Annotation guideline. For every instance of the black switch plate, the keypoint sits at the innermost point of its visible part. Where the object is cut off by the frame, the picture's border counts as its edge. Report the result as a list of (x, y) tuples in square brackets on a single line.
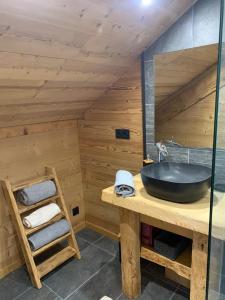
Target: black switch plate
[(123, 134), (75, 211)]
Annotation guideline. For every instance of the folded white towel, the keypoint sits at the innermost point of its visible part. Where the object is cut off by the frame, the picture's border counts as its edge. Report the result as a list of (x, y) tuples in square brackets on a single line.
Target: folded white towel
[(41, 215)]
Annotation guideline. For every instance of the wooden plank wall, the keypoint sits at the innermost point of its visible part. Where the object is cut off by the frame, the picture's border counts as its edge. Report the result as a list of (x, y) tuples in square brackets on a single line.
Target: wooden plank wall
[(24, 152), (188, 116), (101, 153), (56, 58)]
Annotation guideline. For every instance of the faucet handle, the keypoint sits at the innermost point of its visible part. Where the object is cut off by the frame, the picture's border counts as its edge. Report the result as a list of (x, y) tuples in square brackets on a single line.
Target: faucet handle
[(159, 145), (164, 150)]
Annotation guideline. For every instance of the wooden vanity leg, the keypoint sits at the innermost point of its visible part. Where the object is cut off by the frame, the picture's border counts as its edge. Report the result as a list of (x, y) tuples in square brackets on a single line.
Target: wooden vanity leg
[(199, 266), (130, 253)]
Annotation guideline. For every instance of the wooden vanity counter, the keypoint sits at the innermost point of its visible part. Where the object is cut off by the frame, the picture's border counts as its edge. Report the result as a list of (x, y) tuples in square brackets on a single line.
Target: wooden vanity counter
[(189, 220)]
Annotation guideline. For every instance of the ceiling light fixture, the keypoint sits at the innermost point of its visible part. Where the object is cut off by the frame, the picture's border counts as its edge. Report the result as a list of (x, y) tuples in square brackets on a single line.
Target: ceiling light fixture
[(146, 2)]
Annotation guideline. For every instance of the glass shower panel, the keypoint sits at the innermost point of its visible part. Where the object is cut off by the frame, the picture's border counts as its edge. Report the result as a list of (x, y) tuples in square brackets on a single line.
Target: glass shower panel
[(216, 266)]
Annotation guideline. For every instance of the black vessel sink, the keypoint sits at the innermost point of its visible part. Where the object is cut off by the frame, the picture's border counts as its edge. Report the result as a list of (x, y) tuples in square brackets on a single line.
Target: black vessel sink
[(176, 182)]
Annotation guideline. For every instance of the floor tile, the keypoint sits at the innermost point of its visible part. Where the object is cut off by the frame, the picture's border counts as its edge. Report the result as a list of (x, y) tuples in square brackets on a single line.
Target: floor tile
[(213, 295), (180, 294), (158, 272), (82, 244), (43, 294), (105, 283), (68, 278), (89, 235), (153, 289), (14, 284), (153, 268), (109, 245)]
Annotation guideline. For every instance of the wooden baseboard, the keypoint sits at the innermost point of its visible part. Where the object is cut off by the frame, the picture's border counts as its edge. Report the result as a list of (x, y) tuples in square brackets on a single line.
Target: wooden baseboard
[(105, 228), (78, 227), (10, 268)]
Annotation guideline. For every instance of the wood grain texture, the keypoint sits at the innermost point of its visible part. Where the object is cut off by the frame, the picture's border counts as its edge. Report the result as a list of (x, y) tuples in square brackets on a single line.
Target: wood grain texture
[(199, 266), (47, 266), (25, 156), (166, 226), (171, 275), (57, 57), (188, 115), (20, 230), (130, 253), (181, 266), (192, 216), (55, 260), (103, 227), (101, 153)]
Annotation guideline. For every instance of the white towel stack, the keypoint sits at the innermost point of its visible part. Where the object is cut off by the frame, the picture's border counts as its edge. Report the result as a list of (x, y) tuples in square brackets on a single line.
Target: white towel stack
[(41, 215)]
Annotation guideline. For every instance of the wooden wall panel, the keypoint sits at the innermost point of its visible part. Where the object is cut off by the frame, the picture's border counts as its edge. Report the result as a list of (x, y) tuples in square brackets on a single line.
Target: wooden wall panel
[(101, 153), (24, 152)]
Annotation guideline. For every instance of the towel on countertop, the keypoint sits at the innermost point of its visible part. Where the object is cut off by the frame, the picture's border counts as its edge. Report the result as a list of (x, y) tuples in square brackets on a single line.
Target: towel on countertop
[(48, 234), (37, 192), (41, 215), (124, 184)]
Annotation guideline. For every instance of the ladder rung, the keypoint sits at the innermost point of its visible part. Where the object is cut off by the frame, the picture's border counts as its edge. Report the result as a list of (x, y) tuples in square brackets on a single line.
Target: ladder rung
[(42, 249), (25, 184), (55, 219), (55, 260), (25, 208), (19, 210)]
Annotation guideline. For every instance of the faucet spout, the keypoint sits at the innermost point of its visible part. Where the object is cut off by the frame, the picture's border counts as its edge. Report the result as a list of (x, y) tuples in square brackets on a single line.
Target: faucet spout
[(163, 152)]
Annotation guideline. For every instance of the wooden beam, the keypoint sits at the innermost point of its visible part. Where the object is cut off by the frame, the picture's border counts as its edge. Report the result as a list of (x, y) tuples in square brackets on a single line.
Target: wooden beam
[(130, 253), (180, 266), (199, 266)]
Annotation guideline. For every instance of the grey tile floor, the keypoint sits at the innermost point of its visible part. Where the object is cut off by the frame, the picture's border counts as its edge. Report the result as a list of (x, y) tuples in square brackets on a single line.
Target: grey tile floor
[(97, 274)]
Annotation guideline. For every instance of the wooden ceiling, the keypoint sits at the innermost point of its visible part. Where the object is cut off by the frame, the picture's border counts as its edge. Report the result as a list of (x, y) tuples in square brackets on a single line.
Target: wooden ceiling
[(58, 56), (173, 71)]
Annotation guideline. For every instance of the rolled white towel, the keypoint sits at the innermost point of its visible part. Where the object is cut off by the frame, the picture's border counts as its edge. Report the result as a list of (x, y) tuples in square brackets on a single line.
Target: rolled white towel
[(124, 184), (41, 215)]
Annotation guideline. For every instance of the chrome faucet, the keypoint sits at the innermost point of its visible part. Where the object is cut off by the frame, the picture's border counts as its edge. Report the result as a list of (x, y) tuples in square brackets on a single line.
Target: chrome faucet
[(163, 153), (172, 142)]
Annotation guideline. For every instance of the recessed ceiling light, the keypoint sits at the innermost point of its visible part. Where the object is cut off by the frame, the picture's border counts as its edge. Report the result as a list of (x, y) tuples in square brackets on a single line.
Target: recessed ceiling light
[(146, 2)]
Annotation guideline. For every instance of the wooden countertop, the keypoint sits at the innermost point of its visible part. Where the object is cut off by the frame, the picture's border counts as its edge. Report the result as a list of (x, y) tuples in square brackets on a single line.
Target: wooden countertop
[(192, 216)]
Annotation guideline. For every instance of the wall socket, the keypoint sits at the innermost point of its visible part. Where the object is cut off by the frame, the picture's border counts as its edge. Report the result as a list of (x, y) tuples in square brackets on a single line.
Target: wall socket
[(75, 211)]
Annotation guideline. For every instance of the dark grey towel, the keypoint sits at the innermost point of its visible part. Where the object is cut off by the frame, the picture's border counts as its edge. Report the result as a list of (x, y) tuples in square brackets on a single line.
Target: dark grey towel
[(37, 192), (48, 234)]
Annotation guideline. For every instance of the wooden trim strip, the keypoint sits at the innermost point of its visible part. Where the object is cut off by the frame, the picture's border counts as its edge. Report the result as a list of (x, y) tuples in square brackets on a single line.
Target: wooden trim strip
[(177, 266)]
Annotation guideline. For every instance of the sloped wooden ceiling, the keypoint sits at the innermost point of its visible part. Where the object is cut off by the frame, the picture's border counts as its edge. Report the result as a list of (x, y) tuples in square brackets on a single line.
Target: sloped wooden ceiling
[(57, 56)]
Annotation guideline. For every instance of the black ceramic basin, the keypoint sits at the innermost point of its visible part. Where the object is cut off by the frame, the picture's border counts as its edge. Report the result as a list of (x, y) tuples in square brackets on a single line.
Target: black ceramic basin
[(176, 182)]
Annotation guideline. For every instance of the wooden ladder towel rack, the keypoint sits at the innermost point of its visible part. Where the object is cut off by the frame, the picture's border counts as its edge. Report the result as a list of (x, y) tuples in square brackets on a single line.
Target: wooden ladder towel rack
[(37, 271)]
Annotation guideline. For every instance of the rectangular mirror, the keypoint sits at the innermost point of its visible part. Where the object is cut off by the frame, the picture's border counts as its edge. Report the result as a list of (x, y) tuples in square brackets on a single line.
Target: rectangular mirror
[(185, 90)]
